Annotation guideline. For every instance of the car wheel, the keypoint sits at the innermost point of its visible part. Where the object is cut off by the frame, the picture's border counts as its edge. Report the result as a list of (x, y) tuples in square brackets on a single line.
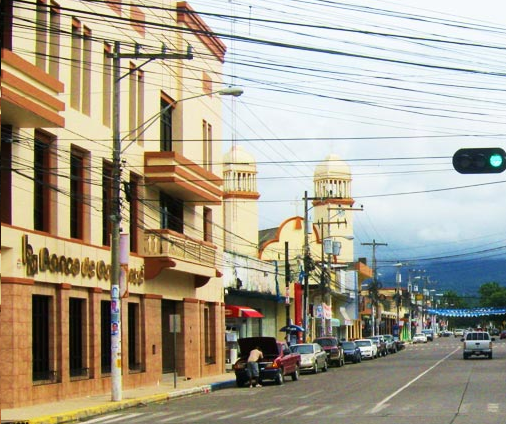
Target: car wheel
[(490, 355), (325, 366), (465, 356), (315, 368), (296, 373), (280, 378)]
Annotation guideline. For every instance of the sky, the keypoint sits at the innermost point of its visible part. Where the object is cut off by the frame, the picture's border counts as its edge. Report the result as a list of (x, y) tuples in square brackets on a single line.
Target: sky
[(394, 89)]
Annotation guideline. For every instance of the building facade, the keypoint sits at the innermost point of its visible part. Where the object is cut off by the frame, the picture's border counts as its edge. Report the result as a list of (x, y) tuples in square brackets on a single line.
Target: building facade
[(58, 111)]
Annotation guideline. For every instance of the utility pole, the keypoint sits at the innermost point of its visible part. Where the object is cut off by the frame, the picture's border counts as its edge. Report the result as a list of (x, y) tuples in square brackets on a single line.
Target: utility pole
[(116, 56), (287, 284), (306, 269), (374, 291)]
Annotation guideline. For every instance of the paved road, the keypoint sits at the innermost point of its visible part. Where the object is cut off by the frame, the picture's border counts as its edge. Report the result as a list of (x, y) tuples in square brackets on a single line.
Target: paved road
[(423, 384)]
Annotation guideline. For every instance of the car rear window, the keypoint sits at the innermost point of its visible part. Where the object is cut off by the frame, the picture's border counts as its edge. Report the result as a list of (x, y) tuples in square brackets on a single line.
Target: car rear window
[(477, 336)]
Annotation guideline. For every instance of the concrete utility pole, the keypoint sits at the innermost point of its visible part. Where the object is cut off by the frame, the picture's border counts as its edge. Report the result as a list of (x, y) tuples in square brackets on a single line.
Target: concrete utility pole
[(287, 284), (116, 56), (374, 282)]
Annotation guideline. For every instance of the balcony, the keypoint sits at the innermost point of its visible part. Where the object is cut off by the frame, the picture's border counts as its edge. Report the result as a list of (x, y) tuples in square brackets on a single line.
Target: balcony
[(166, 249), (181, 178), (29, 95)]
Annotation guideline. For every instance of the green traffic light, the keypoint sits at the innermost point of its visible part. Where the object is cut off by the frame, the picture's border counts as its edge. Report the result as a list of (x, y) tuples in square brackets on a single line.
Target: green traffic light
[(480, 160), (496, 160)]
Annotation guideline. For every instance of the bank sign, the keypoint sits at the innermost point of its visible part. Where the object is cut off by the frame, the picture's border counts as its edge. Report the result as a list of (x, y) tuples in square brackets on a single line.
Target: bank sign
[(46, 261)]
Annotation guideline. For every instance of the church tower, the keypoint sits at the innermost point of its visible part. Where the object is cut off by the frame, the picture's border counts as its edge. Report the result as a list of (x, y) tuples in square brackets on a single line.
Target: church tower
[(331, 215), (240, 198)]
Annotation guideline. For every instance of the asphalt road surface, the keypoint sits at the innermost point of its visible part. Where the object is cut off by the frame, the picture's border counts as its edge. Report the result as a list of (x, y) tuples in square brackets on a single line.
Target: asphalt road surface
[(423, 384)]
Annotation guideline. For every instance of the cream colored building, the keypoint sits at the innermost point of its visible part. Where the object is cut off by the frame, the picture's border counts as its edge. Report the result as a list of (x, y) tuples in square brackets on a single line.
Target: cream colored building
[(57, 130), (332, 311)]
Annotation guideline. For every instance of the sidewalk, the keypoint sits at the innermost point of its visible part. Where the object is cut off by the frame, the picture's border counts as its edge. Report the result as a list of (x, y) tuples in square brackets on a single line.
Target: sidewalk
[(74, 409)]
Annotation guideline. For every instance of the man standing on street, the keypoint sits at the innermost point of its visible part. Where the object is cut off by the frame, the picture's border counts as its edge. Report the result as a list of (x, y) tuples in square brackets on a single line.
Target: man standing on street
[(253, 371)]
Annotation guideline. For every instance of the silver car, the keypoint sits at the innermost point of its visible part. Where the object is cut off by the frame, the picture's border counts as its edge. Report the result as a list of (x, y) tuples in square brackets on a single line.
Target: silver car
[(312, 357)]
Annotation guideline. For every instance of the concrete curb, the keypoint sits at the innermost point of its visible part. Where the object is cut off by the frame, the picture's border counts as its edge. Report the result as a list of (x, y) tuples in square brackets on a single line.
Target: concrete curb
[(108, 407)]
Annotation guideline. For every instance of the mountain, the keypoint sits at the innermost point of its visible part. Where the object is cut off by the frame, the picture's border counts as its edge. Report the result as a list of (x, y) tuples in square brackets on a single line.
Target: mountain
[(463, 277)]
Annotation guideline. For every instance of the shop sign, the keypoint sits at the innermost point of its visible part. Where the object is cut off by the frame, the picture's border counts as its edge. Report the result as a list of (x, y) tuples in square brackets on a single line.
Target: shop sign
[(45, 261)]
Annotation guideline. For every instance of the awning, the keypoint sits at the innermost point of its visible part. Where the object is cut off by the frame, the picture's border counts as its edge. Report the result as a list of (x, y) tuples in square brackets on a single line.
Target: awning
[(335, 322), (234, 311), (346, 318)]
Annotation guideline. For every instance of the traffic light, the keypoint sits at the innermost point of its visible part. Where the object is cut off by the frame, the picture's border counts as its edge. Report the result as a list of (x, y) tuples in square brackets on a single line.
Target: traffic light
[(483, 160)]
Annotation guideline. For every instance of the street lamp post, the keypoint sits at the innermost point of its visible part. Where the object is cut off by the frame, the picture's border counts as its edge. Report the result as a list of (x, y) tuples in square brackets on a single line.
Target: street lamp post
[(116, 256)]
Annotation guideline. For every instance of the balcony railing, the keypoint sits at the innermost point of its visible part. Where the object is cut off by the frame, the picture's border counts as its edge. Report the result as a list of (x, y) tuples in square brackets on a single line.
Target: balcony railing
[(164, 243)]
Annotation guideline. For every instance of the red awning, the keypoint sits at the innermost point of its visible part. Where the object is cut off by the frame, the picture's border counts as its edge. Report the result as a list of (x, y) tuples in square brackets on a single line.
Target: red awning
[(234, 311)]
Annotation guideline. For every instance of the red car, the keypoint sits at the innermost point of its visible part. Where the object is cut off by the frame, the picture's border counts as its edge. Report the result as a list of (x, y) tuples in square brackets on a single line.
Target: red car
[(335, 353), (502, 335), (278, 361)]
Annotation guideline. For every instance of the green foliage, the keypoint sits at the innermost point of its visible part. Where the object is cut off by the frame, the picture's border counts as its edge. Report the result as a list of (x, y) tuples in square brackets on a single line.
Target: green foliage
[(492, 294)]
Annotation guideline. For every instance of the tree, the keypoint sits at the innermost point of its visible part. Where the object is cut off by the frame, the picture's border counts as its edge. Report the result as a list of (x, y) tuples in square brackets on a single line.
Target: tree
[(492, 294)]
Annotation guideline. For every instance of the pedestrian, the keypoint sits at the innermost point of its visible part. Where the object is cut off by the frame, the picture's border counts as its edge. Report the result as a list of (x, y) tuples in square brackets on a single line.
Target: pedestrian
[(253, 371)]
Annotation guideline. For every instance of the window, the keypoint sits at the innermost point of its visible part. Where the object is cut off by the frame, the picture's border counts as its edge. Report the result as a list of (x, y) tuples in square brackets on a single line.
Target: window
[(134, 359), (140, 108), (136, 104), (7, 24), (41, 369), (43, 174), (76, 338), (6, 174), (47, 38), (207, 145), (133, 198), (165, 126), (107, 86), (208, 224), (105, 336), (75, 59), (106, 203), (209, 334), (54, 41), (171, 213), (76, 194), (86, 90)]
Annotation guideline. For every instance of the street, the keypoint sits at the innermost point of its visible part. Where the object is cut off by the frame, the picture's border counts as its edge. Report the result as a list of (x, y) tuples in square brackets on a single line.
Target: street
[(424, 383)]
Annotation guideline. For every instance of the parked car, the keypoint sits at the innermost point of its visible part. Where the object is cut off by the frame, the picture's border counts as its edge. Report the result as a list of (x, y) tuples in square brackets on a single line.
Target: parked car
[(391, 343), (429, 333), (312, 357), (446, 333), (277, 363), (382, 346), (477, 343), (458, 332), (419, 338), (502, 335), (335, 354), (351, 352), (368, 349), (400, 344)]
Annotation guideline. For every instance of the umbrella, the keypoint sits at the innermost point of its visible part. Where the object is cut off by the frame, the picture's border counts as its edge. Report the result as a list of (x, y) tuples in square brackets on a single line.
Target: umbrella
[(291, 327)]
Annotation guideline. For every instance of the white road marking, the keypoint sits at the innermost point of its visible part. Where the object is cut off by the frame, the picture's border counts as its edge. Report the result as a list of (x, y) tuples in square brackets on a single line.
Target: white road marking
[(320, 410), (114, 418), (100, 419), (379, 405), (493, 407), (264, 412), (294, 410), (187, 414)]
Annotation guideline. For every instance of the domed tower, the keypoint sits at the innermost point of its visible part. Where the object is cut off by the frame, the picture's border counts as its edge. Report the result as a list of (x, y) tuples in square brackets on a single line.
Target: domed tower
[(240, 202), (332, 217)]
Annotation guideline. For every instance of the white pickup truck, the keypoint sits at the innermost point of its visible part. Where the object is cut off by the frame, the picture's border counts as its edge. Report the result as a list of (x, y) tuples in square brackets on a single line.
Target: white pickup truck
[(477, 343)]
